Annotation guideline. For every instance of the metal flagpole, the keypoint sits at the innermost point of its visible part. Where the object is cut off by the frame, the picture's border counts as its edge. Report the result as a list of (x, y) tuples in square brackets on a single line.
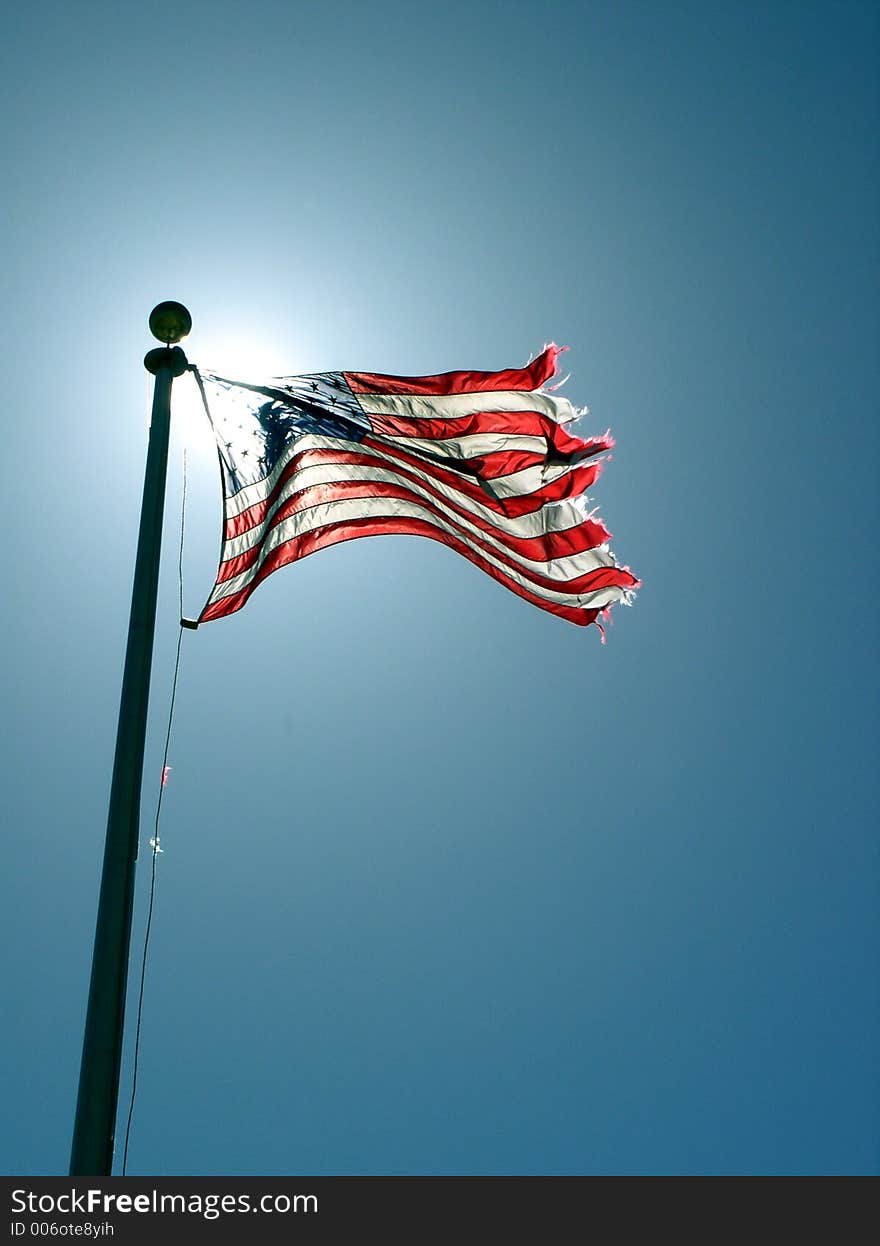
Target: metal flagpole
[(95, 1123)]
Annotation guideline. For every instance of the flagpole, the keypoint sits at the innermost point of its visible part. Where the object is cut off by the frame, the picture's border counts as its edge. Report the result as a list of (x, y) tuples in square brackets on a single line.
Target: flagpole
[(95, 1123)]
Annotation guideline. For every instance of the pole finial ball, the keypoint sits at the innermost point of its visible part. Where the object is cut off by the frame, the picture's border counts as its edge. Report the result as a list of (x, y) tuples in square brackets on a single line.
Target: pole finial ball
[(169, 322)]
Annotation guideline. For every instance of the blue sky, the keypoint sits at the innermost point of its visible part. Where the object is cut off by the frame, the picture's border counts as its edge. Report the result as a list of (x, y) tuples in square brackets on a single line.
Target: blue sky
[(448, 887)]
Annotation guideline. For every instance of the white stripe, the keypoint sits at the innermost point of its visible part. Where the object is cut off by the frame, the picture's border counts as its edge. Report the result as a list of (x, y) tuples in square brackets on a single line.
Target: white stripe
[(551, 517), (530, 479), (565, 567), (458, 406), (377, 508), (470, 446)]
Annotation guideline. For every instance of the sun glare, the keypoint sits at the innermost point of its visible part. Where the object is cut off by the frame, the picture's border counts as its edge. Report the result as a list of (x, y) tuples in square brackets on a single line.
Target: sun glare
[(248, 361), (238, 361)]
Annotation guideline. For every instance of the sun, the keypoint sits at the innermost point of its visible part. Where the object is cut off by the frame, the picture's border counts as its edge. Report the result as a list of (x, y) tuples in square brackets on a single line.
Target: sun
[(254, 361)]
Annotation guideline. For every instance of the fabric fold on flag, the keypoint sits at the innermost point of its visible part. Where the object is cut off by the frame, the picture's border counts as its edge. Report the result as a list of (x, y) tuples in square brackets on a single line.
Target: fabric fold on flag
[(483, 462)]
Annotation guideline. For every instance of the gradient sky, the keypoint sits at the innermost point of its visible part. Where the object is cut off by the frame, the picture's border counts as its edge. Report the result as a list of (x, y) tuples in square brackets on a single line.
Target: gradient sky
[(448, 887)]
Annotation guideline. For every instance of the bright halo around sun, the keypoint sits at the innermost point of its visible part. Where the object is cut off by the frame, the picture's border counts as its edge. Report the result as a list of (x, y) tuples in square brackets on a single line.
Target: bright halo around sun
[(244, 361), (256, 362), (188, 419)]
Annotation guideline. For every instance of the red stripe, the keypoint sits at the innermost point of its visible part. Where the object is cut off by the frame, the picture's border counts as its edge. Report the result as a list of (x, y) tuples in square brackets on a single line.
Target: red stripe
[(500, 463), (309, 543), (531, 377), (495, 464), (600, 577), (553, 544), (483, 423), (571, 484)]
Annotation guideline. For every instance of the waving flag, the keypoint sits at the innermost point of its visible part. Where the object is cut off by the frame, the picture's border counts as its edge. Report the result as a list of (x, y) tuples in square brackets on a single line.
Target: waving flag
[(480, 461)]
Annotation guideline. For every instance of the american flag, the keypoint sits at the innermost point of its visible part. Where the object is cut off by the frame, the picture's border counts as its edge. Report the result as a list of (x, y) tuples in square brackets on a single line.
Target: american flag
[(483, 462)]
